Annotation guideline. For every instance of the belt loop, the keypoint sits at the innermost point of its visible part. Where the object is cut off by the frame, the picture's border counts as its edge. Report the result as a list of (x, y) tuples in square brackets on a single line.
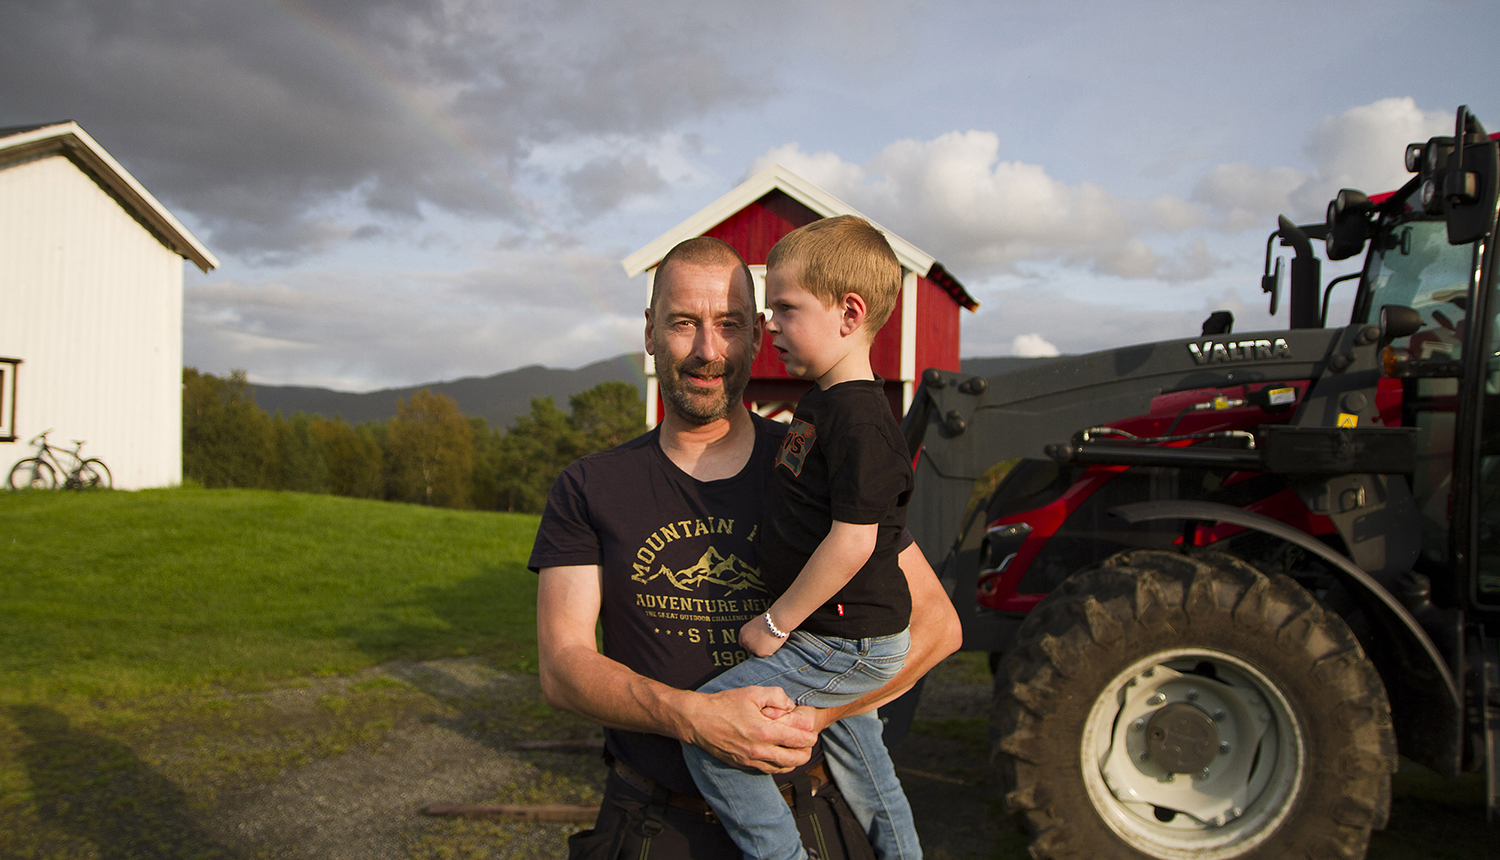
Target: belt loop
[(652, 824), (802, 795)]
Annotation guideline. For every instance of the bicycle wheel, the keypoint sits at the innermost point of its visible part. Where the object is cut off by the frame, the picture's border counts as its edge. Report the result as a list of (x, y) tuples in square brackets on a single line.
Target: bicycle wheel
[(93, 473), (32, 474)]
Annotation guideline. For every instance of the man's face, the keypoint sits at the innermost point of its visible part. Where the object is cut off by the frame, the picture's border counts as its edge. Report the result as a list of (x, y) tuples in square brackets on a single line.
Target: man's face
[(704, 333)]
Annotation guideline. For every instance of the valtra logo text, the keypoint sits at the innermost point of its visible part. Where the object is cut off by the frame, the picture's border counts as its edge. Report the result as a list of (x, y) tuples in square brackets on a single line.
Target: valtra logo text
[(1210, 352)]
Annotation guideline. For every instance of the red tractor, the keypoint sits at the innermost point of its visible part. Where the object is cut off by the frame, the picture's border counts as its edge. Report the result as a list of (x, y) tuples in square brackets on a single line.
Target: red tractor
[(1225, 579)]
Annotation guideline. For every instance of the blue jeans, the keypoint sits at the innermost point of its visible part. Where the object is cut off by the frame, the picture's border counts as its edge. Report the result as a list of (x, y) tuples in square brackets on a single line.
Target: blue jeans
[(822, 672)]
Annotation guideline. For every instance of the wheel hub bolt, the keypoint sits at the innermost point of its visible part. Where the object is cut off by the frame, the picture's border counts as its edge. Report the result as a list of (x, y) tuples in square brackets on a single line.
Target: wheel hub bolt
[(1156, 699), (1204, 774), (1192, 695), (1224, 748), (1145, 756), (1139, 724), (1219, 716)]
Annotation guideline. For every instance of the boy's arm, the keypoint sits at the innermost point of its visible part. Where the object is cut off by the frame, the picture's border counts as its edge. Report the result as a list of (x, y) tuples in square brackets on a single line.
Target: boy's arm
[(840, 555)]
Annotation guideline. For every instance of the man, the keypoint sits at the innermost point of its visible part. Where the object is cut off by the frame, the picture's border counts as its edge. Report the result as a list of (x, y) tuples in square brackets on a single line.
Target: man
[(656, 540)]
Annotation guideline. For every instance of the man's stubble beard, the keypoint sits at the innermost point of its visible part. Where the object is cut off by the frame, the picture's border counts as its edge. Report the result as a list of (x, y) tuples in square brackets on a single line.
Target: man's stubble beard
[(699, 408)]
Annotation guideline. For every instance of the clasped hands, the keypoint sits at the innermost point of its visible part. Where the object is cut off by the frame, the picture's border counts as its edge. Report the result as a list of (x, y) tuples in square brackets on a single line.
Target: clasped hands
[(759, 728)]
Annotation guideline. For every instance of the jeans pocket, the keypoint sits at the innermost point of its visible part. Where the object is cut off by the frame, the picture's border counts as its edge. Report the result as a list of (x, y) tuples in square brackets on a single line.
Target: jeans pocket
[(883, 668), (813, 649)]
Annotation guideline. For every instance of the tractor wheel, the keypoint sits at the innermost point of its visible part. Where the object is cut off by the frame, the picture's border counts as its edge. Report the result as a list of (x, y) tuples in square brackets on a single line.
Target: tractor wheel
[(1173, 706)]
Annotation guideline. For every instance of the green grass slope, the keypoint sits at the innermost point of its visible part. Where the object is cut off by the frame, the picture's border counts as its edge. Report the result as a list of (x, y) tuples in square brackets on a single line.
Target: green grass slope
[(118, 595)]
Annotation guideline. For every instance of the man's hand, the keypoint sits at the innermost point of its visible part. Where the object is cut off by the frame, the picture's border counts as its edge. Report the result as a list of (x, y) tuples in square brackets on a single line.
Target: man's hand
[(756, 637), (736, 726), (754, 727), (935, 633)]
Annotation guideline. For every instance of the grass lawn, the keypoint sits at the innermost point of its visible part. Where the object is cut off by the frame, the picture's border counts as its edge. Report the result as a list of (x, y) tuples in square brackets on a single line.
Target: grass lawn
[(116, 596), (139, 630)]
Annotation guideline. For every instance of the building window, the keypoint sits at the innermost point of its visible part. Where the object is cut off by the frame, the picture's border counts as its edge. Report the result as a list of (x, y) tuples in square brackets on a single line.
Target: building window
[(8, 398)]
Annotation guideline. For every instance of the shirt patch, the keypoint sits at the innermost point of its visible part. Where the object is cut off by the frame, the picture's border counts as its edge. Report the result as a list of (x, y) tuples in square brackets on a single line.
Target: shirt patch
[(795, 444)]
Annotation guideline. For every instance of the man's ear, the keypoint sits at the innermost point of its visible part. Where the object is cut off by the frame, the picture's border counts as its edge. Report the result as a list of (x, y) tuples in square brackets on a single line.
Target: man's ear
[(853, 313), (757, 334), (650, 333)]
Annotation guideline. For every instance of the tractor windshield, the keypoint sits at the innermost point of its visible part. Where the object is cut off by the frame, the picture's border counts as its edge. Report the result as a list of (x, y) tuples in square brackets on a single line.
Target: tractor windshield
[(1417, 268)]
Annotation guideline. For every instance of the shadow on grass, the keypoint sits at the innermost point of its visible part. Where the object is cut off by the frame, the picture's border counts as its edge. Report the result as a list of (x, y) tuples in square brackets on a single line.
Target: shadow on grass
[(493, 612), (95, 790)]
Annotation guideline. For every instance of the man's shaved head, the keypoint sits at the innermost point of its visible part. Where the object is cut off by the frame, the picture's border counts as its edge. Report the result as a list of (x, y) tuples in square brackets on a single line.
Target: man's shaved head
[(702, 251)]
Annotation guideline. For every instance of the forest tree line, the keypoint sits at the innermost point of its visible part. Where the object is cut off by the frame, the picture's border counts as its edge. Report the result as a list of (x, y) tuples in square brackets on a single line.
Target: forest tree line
[(429, 452)]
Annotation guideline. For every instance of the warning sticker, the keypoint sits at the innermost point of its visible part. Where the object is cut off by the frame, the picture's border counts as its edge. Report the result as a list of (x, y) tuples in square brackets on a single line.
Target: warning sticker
[(1282, 396)]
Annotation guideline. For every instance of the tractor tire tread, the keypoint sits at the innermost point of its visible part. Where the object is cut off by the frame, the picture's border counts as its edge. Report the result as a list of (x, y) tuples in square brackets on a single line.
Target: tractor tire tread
[(1152, 593)]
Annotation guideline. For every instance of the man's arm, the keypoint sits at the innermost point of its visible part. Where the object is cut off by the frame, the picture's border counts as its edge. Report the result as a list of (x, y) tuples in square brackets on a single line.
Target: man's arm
[(577, 678), (935, 633)]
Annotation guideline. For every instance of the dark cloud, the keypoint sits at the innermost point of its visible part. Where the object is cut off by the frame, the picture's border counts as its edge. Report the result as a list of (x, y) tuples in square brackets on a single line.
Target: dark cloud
[(603, 183), (354, 330), (260, 118)]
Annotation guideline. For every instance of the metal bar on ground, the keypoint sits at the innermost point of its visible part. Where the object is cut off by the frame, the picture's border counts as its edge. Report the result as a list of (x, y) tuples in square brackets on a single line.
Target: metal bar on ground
[(532, 812)]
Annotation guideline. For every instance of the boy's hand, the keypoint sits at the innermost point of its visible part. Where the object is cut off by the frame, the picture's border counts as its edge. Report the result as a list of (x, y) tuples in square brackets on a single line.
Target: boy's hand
[(756, 637)]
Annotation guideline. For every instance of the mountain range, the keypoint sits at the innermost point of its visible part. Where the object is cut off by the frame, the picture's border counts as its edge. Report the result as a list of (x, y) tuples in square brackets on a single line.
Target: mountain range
[(500, 398), (497, 399)]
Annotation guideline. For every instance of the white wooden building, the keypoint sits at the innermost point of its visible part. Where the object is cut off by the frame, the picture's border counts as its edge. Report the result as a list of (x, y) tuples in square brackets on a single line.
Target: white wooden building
[(91, 270)]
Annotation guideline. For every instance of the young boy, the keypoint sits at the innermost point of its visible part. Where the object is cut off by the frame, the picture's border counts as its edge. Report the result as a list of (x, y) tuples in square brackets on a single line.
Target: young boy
[(831, 529)]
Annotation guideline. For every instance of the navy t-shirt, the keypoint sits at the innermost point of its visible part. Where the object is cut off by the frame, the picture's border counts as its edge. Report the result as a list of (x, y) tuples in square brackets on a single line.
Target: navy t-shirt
[(681, 569)]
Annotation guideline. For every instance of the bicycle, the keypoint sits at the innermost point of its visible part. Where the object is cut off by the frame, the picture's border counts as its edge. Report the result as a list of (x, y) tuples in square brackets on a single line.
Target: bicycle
[(37, 473)]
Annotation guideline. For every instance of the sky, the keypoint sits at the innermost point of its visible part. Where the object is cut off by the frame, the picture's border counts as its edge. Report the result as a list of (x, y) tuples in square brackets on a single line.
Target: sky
[(410, 191)]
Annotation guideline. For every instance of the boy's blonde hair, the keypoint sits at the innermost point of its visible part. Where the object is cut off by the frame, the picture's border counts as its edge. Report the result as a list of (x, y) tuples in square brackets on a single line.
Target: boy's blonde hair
[(843, 255)]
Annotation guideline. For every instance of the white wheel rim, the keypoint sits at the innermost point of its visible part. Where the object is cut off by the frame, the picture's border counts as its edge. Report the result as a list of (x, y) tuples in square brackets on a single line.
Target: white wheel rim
[(1251, 782)]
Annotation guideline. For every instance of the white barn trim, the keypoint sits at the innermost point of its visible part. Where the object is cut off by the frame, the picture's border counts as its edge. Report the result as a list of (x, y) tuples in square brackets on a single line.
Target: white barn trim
[(91, 303)]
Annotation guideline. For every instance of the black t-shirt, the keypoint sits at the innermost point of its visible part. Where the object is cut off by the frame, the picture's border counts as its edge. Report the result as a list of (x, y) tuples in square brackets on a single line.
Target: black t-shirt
[(681, 572), (843, 458)]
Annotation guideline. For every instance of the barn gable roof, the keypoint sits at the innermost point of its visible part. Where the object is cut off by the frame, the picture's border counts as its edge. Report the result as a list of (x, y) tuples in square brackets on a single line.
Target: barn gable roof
[(774, 178), (70, 140)]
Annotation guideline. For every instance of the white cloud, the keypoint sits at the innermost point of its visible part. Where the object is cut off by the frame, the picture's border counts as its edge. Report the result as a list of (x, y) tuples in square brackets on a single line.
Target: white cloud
[(1016, 319), (1245, 196), (979, 213), (1032, 346), (1362, 148)]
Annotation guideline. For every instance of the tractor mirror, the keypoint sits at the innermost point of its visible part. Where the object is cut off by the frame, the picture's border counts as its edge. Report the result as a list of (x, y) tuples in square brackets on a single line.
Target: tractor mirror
[(1348, 224), (1469, 183), (1397, 321), (1274, 282)]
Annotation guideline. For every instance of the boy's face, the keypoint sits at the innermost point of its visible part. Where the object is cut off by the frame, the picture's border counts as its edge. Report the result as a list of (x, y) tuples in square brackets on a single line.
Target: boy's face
[(807, 334)]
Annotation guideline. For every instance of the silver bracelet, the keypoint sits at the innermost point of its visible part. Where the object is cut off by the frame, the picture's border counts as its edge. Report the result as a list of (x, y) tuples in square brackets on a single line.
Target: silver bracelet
[(775, 631)]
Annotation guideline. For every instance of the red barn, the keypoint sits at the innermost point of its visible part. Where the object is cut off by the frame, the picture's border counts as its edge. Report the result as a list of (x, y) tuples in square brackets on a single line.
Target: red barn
[(921, 333)]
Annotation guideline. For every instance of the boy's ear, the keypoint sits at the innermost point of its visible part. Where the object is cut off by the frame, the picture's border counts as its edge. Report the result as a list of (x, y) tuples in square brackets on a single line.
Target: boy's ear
[(854, 312)]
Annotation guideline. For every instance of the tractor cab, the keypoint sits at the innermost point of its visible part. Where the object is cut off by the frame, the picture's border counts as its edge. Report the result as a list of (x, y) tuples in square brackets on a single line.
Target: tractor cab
[(1427, 275)]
